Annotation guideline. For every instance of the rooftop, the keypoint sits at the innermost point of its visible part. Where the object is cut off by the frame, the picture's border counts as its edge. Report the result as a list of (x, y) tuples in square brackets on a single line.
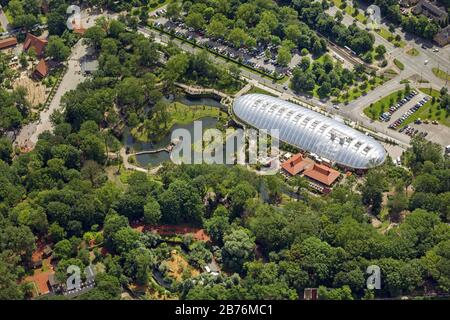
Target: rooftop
[(35, 42), (41, 68), (322, 174), (310, 131), (8, 42), (297, 164)]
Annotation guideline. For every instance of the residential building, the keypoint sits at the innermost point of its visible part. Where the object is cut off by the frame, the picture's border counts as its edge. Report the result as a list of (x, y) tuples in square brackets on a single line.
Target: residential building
[(442, 38), (8, 43), (322, 174), (432, 11), (297, 164), (31, 41), (41, 69)]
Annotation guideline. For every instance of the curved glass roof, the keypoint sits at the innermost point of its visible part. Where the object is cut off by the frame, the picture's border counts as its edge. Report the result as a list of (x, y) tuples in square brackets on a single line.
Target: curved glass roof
[(310, 131)]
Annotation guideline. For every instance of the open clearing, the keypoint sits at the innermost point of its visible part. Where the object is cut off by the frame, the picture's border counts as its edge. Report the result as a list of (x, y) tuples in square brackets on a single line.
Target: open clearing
[(36, 91)]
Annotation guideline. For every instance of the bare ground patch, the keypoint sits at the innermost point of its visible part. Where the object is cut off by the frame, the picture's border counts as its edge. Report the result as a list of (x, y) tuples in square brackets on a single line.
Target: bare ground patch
[(36, 91)]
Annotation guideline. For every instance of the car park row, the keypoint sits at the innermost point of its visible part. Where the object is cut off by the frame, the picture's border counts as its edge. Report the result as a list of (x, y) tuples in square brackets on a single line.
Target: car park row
[(254, 57), (386, 116), (410, 131), (407, 114)]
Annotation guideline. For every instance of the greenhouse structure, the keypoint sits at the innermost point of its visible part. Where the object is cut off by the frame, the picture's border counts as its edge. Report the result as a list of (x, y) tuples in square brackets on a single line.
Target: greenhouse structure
[(310, 131)]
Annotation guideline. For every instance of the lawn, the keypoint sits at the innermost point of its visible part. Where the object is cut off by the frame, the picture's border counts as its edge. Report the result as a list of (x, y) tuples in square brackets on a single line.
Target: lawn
[(389, 74), (413, 52), (178, 265), (259, 90), (429, 110), (399, 64), (390, 37), (183, 114), (349, 10), (8, 15), (382, 105), (180, 114), (441, 74), (358, 91), (155, 4)]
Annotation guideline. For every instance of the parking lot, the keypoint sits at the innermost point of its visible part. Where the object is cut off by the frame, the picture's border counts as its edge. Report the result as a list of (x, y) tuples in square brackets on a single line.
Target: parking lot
[(409, 100), (414, 103), (437, 133), (252, 57)]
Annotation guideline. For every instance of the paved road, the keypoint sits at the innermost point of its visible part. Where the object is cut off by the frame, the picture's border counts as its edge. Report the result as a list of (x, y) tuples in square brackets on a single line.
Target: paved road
[(413, 64), (29, 134), (4, 21)]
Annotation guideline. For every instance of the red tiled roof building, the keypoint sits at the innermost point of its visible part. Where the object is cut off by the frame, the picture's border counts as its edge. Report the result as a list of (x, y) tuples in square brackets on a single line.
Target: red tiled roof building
[(8, 43), (297, 164), (36, 43), (322, 174), (41, 69)]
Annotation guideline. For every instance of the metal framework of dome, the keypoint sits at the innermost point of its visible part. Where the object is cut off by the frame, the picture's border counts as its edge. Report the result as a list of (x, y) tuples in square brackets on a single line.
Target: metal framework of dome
[(310, 131)]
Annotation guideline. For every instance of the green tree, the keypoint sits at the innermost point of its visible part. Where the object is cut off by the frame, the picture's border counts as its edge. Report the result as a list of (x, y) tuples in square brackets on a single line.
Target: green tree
[(238, 248), (152, 211), (63, 249), (6, 150), (57, 49), (372, 190)]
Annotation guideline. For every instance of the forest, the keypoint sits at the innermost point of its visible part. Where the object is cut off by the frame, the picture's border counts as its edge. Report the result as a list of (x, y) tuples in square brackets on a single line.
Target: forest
[(69, 193)]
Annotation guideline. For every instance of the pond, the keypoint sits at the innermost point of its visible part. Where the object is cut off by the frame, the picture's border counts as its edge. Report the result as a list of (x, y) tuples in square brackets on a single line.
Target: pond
[(154, 159), (159, 157)]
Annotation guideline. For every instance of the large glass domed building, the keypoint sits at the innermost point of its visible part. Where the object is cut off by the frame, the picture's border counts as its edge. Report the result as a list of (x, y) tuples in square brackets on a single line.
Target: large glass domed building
[(310, 131)]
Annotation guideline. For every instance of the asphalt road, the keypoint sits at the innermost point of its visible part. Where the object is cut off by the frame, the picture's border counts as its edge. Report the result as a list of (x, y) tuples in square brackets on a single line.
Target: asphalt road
[(4, 21), (413, 64)]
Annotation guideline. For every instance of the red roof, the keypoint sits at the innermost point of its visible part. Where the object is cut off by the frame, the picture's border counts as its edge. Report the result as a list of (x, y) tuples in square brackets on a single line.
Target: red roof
[(41, 68), (8, 42), (322, 174), (297, 164), (36, 43)]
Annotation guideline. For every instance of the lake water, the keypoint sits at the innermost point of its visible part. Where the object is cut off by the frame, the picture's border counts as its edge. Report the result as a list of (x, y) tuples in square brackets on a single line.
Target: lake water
[(154, 159)]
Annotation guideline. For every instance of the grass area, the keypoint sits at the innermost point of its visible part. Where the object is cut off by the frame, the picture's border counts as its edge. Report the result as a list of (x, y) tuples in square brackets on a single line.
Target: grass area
[(8, 15), (42, 19), (376, 109), (441, 74), (399, 64), (178, 267), (358, 91), (155, 4), (390, 37), (389, 74), (124, 175), (429, 110), (350, 10), (413, 52), (180, 114), (259, 90)]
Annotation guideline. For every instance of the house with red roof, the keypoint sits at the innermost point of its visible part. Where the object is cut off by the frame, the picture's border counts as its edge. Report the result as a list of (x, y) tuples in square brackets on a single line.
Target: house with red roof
[(41, 70), (322, 174), (297, 164), (8, 43), (31, 41)]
